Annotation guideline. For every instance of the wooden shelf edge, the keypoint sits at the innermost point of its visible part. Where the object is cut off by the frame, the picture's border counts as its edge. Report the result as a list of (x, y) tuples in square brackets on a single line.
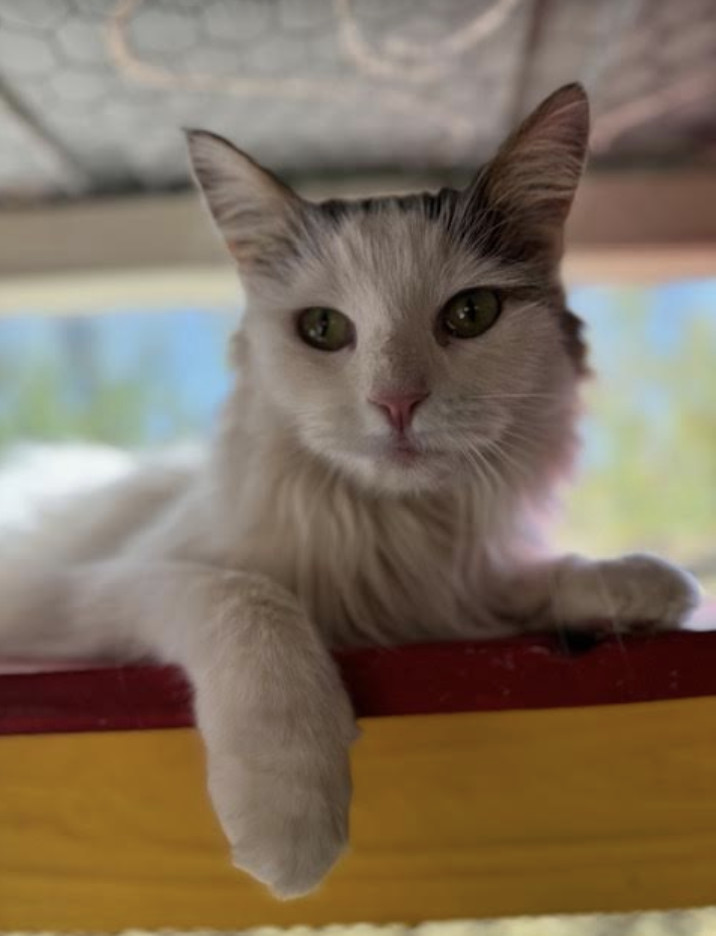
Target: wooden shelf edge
[(519, 673)]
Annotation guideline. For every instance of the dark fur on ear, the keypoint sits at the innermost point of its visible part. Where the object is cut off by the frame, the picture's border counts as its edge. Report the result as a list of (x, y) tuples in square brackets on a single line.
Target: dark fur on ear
[(525, 192)]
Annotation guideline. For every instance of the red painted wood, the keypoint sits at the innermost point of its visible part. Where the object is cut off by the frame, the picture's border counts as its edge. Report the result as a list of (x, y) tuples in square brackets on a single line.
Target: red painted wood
[(526, 672)]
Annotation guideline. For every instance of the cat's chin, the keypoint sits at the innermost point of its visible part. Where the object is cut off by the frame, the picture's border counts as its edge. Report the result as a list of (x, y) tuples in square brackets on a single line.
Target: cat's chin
[(400, 471)]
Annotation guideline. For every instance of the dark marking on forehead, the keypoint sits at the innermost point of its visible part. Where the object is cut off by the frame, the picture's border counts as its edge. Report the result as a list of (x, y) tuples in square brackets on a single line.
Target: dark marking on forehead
[(469, 219), (508, 230), (482, 227), (436, 206)]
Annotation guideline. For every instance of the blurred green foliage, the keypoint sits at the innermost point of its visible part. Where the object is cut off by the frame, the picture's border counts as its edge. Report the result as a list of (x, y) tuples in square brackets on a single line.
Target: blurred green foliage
[(115, 413), (649, 478)]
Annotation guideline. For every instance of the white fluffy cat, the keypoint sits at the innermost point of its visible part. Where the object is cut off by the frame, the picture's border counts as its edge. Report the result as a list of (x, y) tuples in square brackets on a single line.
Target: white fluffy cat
[(407, 376)]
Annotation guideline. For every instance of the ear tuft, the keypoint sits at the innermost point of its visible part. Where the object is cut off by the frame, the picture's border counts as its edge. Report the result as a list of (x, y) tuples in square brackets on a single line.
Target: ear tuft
[(250, 205)]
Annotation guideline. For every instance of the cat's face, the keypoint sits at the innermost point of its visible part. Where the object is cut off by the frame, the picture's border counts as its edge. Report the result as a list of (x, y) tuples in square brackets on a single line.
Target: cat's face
[(412, 341)]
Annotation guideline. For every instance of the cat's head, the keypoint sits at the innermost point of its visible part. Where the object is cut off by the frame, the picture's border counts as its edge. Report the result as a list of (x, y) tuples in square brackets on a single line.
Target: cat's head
[(408, 340)]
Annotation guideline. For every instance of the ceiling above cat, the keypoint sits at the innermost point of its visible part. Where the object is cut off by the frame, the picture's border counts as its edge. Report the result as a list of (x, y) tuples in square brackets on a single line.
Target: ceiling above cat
[(93, 92)]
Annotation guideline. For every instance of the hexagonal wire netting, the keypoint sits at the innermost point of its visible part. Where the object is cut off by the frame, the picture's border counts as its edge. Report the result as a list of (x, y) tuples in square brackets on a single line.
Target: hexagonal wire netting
[(93, 92)]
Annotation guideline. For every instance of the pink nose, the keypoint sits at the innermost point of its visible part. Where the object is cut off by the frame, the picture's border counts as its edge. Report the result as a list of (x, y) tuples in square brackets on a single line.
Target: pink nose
[(399, 407)]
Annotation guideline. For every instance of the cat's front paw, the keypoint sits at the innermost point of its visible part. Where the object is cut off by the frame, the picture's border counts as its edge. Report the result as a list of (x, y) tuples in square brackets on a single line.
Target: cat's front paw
[(638, 592), (284, 806)]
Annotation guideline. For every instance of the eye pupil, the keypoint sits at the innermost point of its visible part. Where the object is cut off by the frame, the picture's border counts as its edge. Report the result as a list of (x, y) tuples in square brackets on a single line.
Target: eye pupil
[(470, 313), (324, 329), (319, 329)]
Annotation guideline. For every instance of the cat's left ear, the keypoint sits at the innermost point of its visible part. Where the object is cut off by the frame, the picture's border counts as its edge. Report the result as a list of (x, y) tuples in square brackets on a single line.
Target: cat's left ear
[(534, 176), (252, 208)]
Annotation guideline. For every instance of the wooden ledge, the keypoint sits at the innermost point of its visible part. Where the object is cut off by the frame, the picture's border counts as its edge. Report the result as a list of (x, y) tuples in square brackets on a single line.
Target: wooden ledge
[(520, 673), (602, 808), (580, 804)]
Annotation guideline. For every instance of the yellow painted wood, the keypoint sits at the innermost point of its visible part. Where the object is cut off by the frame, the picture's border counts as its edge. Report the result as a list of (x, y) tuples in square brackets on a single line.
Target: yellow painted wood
[(609, 808)]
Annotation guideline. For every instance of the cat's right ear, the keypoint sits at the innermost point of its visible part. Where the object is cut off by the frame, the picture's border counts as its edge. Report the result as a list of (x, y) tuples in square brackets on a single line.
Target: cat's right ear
[(251, 207)]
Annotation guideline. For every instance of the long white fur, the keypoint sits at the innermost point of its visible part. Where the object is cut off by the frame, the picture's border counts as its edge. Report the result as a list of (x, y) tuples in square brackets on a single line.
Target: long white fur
[(302, 531)]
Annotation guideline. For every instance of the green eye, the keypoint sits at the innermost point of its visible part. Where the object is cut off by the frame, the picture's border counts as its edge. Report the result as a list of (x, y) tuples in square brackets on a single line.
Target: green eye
[(470, 313), (325, 329)]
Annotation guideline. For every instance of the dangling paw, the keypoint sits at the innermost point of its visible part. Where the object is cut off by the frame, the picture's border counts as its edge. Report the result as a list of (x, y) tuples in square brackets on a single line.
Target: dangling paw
[(283, 796)]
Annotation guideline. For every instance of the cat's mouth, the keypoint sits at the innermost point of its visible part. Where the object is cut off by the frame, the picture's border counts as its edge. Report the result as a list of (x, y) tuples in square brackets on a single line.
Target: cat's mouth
[(398, 463), (397, 450), (403, 450)]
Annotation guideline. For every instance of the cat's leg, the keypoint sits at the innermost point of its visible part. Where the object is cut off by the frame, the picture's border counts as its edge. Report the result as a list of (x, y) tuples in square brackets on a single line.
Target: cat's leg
[(634, 592), (274, 716)]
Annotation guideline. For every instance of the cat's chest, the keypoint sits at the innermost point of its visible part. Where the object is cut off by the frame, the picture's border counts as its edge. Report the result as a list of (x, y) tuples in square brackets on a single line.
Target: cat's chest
[(371, 571)]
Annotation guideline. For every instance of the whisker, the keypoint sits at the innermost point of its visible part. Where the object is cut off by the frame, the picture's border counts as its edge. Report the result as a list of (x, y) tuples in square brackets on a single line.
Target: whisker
[(491, 472), (511, 435), (505, 456)]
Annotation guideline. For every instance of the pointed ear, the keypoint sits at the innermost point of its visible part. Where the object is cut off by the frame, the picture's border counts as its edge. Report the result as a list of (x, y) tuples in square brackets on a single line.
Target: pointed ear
[(532, 180), (251, 207)]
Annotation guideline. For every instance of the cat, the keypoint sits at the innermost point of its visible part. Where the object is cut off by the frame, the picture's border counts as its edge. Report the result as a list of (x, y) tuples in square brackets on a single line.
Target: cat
[(405, 401)]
